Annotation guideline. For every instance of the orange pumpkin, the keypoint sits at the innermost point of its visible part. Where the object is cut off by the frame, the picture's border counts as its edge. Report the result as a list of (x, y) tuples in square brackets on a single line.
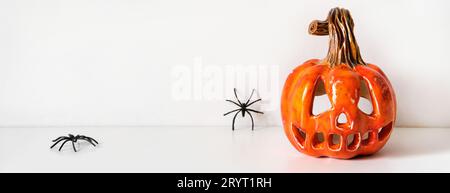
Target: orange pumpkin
[(344, 77)]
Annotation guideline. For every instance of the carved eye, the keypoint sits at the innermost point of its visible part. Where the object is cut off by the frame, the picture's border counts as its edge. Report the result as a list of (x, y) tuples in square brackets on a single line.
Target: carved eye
[(365, 100), (321, 102)]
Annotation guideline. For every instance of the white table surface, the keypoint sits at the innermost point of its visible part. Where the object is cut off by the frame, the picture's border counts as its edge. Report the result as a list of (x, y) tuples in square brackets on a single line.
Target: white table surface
[(209, 149)]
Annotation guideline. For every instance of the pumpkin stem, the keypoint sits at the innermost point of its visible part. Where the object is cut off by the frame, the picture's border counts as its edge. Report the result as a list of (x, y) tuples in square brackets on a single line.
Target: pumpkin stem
[(343, 48)]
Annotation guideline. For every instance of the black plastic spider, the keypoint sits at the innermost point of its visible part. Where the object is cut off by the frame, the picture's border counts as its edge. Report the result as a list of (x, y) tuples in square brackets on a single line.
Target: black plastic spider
[(243, 107), (73, 139)]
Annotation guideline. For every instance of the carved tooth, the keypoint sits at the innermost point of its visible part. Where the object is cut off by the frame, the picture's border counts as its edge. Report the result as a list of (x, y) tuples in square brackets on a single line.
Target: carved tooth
[(318, 141), (334, 142), (300, 135), (384, 132), (365, 139), (353, 141)]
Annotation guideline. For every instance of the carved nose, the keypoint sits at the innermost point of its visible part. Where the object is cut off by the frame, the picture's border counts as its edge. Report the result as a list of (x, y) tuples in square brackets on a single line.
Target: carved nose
[(342, 118)]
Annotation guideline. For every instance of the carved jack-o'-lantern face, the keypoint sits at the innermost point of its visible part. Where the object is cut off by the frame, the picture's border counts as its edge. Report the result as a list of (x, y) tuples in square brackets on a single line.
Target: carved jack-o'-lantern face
[(345, 79)]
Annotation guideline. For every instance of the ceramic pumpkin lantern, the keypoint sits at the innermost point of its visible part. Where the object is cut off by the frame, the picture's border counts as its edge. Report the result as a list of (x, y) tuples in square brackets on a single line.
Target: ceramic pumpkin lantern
[(343, 77)]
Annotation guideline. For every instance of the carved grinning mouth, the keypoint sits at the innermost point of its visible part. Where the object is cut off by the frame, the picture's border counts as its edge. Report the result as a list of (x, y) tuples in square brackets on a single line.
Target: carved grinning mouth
[(334, 142)]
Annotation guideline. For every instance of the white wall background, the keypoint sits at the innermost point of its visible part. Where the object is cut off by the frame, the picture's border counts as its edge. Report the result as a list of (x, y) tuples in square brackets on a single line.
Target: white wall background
[(109, 62)]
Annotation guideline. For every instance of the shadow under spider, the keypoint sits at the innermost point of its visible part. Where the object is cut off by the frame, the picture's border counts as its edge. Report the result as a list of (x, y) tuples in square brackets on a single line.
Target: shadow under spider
[(243, 108)]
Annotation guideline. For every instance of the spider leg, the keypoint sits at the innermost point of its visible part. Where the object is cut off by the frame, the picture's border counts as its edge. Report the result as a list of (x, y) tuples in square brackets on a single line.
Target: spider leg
[(253, 102), (235, 94), (255, 111), (250, 97), (231, 112), (233, 102), (92, 140), (73, 145), (63, 144), (89, 139), (57, 142), (251, 117), (58, 138), (234, 118)]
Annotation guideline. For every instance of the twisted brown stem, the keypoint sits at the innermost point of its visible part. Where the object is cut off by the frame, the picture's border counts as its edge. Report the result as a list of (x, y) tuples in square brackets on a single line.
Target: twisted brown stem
[(318, 28), (343, 48)]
